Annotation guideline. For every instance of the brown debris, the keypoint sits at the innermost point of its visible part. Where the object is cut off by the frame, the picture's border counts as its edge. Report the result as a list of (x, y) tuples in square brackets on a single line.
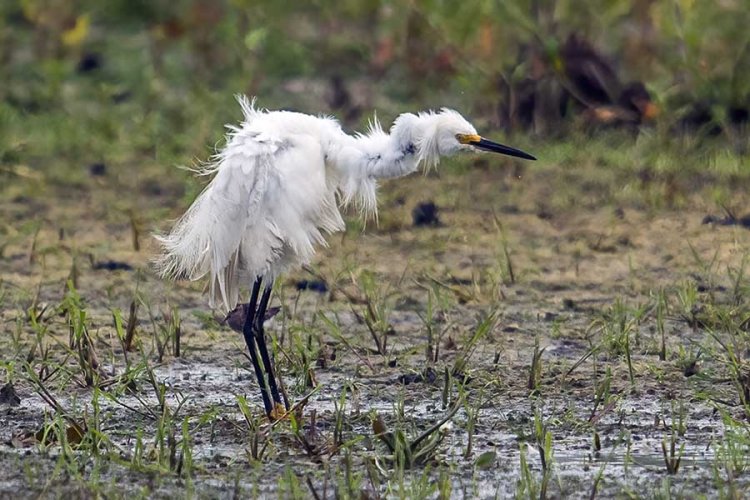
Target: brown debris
[(577, 81)]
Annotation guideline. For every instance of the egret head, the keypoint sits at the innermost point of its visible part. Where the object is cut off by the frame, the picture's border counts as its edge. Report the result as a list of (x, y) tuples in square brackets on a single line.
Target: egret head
[(452, 133)]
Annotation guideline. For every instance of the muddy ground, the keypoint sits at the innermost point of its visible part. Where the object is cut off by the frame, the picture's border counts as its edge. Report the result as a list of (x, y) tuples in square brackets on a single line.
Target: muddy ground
[(579, 292)]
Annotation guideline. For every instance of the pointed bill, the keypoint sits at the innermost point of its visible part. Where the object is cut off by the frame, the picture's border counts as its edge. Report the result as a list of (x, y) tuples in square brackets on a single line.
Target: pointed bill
[(487, 145), (480, 142)]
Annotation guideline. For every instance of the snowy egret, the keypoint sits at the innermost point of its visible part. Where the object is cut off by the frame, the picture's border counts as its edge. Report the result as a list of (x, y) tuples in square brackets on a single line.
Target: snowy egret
[(277, 187)]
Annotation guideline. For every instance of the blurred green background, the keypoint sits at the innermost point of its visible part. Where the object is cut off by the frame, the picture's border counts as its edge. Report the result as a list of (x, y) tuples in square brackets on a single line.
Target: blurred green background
[(133, 83)]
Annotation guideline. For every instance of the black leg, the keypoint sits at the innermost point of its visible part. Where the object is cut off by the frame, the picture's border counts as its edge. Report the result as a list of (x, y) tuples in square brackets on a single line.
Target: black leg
[(260, 339), (247, 332)]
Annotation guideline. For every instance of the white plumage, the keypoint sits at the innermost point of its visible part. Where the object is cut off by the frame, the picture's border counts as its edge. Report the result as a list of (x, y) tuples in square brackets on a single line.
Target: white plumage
[(278, 184)]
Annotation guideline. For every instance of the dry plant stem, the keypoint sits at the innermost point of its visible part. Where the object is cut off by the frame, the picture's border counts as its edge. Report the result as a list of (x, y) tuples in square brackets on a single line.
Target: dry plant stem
[(130, 328)]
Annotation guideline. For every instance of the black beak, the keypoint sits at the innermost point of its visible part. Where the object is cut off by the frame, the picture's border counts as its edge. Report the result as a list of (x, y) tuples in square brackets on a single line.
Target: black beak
[(486, 145)]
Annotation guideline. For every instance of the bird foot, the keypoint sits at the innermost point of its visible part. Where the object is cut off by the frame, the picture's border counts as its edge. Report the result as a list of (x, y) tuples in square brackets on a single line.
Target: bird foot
[(277, 413), (236, 317)]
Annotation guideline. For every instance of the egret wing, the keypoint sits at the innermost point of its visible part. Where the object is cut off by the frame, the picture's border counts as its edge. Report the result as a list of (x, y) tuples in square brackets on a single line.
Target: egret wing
[(206, 240)]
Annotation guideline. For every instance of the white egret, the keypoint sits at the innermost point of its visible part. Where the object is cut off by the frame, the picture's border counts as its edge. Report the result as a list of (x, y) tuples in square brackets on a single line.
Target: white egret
[(277, 187)]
